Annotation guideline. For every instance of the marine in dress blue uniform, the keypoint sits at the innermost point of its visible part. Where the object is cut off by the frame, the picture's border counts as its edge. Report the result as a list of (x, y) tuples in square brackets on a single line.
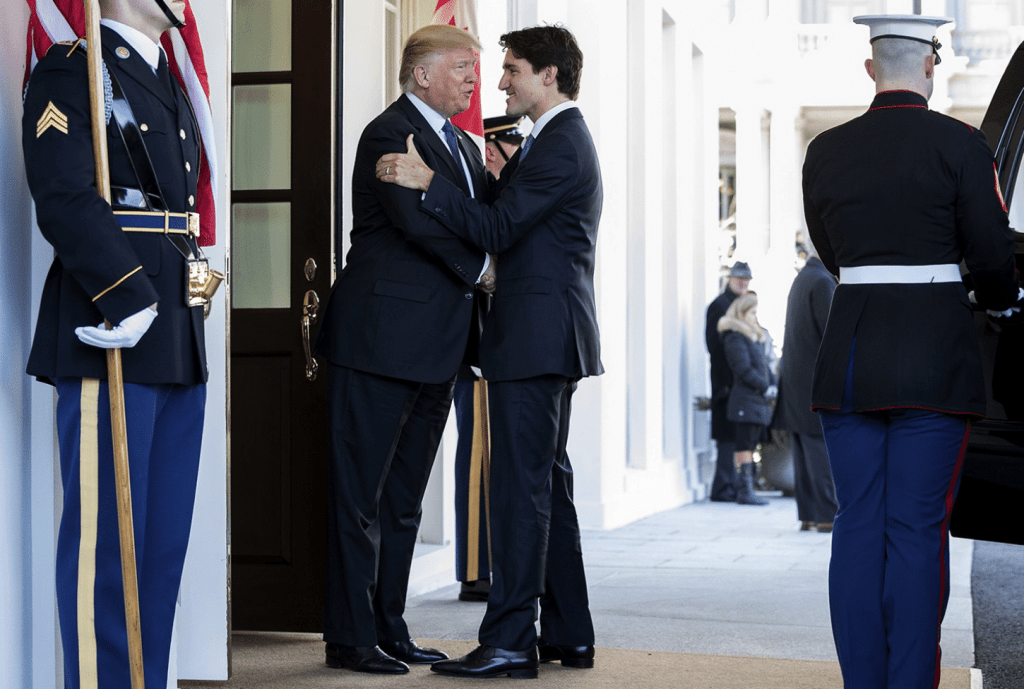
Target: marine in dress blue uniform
[(101, 271), (894, 200)]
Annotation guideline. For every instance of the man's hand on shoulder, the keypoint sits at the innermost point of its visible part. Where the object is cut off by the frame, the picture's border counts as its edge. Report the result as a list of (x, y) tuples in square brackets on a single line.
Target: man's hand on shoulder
[(405, 169)]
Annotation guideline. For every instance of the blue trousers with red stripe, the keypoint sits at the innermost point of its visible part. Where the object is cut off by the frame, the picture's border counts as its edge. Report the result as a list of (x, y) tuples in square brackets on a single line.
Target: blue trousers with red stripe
[(165, 427), (896, 474)]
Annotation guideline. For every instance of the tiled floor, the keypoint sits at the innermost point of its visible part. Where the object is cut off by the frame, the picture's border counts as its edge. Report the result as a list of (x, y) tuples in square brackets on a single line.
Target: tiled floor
[(711, 578)]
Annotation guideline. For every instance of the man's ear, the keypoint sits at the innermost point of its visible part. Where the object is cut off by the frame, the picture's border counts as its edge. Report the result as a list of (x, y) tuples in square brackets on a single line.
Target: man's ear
[(929, 66), (490, 155), (869, 65), (550, 74), (422, 76)]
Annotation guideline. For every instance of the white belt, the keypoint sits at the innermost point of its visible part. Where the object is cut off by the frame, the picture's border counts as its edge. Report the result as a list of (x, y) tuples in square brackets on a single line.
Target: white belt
[(869, 275)]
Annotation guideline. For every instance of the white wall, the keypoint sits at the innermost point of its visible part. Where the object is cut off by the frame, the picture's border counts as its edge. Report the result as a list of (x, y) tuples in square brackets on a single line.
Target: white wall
[(29, 497), (203, 613)]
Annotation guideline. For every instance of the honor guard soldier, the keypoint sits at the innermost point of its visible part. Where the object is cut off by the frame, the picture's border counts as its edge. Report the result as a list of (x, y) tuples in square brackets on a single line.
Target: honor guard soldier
[(472, 455), (128, 262), (895, 200)]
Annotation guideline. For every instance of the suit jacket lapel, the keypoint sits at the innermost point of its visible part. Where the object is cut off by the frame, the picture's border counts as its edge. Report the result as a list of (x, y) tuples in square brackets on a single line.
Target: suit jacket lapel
[(474, 161), (429, 137), (133, 65)]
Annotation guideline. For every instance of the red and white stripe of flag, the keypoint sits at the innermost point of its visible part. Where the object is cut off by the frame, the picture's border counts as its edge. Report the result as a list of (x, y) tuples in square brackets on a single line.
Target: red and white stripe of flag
[(462, 13), (52, 21)]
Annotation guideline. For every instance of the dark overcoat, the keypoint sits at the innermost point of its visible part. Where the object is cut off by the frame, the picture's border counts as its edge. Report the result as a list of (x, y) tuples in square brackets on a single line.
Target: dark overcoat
[(721, 376), (931, 197), (751, 377), (807, 309)]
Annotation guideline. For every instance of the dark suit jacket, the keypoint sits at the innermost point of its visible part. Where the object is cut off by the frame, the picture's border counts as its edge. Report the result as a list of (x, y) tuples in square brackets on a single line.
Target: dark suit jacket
[(543, 227), (902, 185), (403, 305), (807, 308), (93, 255)]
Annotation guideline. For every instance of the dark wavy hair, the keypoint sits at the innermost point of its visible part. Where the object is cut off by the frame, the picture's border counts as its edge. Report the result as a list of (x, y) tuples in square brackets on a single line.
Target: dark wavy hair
[(543, 46)]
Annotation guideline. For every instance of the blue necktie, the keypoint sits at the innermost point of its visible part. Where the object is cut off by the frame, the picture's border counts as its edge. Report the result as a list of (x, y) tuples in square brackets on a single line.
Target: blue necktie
[(526, 147), (449, 135)]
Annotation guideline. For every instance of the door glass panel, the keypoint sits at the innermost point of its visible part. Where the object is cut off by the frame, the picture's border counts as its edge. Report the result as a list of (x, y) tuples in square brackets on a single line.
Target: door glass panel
[(261, 152), (260, 255), (262, 36)]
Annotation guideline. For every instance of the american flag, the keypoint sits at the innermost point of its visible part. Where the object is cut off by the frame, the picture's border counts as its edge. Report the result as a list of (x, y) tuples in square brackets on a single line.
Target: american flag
[(462, 13), (52, 21)]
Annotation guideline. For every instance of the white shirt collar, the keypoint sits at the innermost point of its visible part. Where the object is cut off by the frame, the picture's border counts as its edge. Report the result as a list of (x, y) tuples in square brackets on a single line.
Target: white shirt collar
[(143, 45), (433, 117), (550, 115)]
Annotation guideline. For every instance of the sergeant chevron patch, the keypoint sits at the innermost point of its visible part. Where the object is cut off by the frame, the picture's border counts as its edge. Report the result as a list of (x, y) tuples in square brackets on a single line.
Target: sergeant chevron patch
[(52, 117)]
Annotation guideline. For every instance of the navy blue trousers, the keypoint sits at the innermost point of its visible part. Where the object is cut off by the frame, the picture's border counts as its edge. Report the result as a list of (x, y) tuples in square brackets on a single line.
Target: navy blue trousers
[(535, 533), (384, 434), (165, 429), (472, 473), (896, 474)]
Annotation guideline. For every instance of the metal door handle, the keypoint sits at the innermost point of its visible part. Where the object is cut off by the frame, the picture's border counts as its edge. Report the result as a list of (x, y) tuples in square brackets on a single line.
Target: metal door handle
[(310, 304)]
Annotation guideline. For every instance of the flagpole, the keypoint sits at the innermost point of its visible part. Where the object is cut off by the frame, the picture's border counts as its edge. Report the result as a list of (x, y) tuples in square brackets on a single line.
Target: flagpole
[(115, 378)]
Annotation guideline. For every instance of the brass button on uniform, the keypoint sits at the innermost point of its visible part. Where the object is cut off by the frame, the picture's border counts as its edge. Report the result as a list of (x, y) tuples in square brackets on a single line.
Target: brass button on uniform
[(181, 133), (144, 127), (191, 200), (188, 165)]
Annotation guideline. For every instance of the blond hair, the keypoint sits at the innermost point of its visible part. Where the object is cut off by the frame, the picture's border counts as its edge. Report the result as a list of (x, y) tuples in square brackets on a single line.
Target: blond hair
[(741, 318), (426, 44)]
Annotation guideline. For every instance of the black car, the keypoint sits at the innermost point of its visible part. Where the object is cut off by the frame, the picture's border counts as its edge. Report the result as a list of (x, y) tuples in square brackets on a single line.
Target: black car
[(991, 498)]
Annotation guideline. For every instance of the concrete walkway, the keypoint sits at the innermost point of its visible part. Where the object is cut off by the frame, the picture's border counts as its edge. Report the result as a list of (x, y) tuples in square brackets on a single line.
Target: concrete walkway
[(711, 578)]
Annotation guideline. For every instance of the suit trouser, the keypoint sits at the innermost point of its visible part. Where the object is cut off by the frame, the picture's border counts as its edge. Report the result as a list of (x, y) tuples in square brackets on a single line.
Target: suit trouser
[(165, 429), (896, 473), (472, 468), (535, 534), (383, 438), (812, 479)]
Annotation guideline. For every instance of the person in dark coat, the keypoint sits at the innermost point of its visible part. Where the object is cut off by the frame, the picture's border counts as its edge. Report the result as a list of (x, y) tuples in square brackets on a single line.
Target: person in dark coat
[(395, 332), (722, 430), (895, 199), (806, 315), (753, 387), (108, 267)]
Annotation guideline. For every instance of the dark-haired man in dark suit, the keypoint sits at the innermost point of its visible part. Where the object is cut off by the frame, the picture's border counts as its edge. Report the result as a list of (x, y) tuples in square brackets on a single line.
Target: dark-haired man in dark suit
[(394, 334), (539, 339)]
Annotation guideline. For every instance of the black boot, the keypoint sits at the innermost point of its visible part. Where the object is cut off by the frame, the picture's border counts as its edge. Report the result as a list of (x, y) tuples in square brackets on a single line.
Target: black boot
[(745, 494)]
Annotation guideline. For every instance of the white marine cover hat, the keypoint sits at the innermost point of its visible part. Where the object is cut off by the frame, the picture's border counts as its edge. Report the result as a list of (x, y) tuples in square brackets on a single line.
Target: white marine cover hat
[(914, 27)]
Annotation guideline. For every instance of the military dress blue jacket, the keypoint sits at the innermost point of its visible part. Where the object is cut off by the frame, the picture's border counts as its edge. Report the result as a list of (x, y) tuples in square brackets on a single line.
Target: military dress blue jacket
[(99, 271)]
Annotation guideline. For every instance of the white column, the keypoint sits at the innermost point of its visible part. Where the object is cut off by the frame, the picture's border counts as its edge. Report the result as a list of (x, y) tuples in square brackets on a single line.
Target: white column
[(752, 238)]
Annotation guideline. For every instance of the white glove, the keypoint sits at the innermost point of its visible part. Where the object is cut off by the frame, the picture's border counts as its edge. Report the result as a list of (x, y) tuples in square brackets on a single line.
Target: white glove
[(772, 392), (1010, 311), (126, 334)]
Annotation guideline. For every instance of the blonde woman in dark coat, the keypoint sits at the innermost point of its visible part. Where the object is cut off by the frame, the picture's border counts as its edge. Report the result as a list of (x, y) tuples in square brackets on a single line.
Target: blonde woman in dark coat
[(753, 388)]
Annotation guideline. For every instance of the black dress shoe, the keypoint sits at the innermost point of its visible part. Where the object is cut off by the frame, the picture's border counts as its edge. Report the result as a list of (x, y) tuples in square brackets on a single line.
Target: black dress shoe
[(571, 656), (488, 661), (364, 659), (410, 652), (475, 591)]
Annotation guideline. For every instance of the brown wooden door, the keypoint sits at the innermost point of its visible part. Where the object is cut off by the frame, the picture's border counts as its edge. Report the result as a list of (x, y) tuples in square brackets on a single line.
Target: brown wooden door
[(283, 142)]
